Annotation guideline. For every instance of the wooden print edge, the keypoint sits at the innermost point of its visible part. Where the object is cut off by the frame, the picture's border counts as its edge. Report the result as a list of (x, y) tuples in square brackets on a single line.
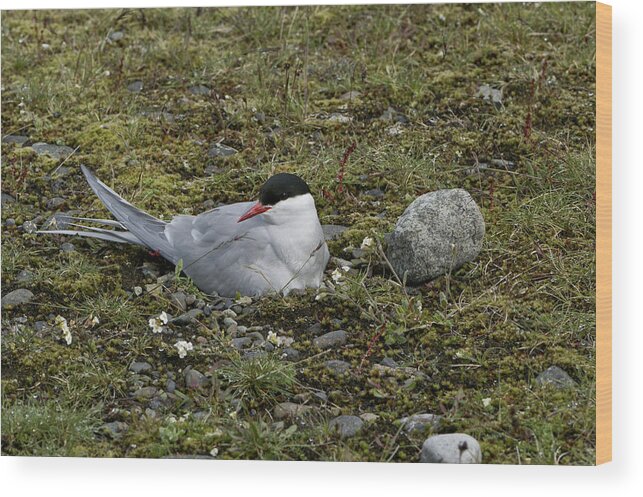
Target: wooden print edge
[(603, 233)]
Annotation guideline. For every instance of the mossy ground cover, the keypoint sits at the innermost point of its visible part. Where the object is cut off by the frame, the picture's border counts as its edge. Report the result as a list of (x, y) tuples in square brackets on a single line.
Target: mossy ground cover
[(272, 84)]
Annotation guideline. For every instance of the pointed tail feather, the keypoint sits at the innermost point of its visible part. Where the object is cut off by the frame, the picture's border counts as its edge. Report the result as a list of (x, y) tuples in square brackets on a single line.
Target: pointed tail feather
[(148, 230), (110, 236)]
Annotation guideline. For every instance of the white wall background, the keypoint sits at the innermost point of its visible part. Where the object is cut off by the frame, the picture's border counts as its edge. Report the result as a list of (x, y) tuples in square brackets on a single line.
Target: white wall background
[(624, 476)]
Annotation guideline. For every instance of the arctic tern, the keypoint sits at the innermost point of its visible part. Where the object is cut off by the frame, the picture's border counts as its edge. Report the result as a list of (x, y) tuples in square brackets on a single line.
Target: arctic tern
[(250, 248)]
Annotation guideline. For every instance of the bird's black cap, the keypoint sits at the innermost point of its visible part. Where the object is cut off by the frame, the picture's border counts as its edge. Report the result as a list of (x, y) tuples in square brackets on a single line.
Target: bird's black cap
[(280, 187)]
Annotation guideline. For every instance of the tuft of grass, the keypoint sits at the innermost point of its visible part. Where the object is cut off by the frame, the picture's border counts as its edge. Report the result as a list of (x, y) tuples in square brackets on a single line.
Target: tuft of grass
[(259, 379), (47, 428)]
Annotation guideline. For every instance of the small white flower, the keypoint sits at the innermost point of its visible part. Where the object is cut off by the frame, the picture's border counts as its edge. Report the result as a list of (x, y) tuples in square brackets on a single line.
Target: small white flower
[(214, 452), (61, 323), (337, 275), (367, 243), (486, 402), (272, 337), (157, 323), (183, 347), (95, 321), (138, 291)]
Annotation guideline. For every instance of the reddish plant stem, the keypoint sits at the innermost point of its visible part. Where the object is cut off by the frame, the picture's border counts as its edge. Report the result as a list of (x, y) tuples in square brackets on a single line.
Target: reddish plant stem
[(342, 166)]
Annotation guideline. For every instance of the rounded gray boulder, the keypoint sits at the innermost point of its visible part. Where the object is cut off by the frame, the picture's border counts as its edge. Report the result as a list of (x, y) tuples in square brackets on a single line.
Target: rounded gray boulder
[(439, 232), (452, 448)]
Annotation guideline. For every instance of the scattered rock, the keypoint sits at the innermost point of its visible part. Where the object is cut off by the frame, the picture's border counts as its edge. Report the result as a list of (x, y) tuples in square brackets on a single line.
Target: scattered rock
[(221, 150), (486, 92), (135, 86), (116, 35), (375, 193), (393, 115), (339, 118), (452, 448), (199, 90), (187, 318), (67, 247), (347, 426), (350, 95), (54, 203), (556, 377), (145, 393), (290, 354), (369, 417), (115, 429), (7, 199), (241, 342), (24, 276), (17, 297), (170, 385), (29, 227), (421, 422), (330, 340), (178, 299), (55, 151), (17, 139), (337, 367), (140, 367), (314, 329), (333, 231), (290, 410), (439, 232), (387, 361), (195, 379)]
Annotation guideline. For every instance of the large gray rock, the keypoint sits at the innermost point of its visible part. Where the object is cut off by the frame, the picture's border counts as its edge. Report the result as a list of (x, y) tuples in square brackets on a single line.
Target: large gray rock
[(55, 151), (440, 231), (452, 448), (17, 297)]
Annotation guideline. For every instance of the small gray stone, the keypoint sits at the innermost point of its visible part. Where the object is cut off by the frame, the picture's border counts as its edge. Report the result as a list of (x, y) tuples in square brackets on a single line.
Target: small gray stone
[(393, 115), (439, 232), (452, 448), (290, 410), (145, 393), (556, 377), (241, 342), (195, 379), (336, 117), (350, 95), (346, 426), (140, 367), (116, 35), (333, 231), (337, 367), (330, 340), (29, 227), (421, 422), (40, 326), (170, 386), (10, 222), (178, 298), (199, 90), (187, 318), (221, 150), (55, 151), (7, 199), (24, 276), (17, 297), (369, 417), (135, 86), (115, 429), (375, 193), (290, 354), (17, 139), (387, 361), (67, 247)]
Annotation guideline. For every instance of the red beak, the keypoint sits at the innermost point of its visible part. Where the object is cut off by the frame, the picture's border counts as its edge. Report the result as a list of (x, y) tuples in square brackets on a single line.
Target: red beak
[(256, 209)]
